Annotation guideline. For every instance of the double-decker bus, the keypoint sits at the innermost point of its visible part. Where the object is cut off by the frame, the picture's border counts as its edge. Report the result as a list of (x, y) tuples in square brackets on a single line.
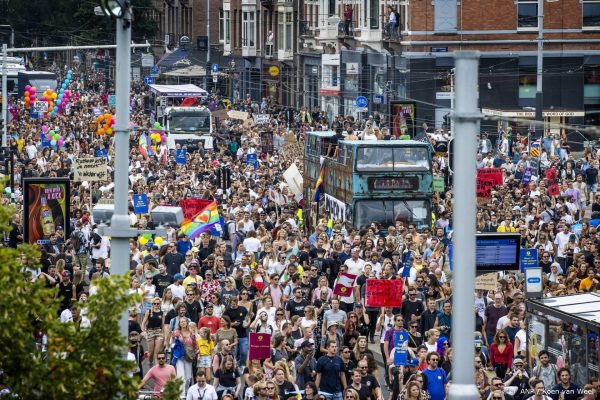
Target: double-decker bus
[(368, 181)]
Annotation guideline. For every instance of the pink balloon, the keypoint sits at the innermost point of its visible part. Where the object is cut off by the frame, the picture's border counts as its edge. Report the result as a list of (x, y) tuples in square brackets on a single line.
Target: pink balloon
[(43, 98), (44, 128), (48, 137), (60, 142), (27, 88)]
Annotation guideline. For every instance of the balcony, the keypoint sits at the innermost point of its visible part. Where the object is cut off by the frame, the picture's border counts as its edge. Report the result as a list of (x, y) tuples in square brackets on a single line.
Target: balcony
[(331, 30), (268, 3), (307, 30)]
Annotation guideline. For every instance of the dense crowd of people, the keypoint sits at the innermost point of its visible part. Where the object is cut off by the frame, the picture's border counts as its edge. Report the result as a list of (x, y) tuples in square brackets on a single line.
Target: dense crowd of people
[(262, 271)]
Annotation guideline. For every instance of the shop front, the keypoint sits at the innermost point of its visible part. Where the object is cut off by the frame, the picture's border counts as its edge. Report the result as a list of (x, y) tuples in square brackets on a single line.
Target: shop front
[(568, 327), (270, 82)]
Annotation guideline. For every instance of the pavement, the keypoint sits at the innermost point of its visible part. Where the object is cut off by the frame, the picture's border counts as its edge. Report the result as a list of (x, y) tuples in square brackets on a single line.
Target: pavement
[(376, 349)]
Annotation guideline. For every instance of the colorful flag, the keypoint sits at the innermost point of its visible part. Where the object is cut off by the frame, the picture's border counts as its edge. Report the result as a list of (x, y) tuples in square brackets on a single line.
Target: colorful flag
[(202, 222), (319, 185), (28, 64), (345, 283), (143, 146)]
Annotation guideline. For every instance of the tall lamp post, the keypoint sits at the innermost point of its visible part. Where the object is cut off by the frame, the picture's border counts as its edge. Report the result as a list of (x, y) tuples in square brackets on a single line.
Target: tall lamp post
[(120, 230)]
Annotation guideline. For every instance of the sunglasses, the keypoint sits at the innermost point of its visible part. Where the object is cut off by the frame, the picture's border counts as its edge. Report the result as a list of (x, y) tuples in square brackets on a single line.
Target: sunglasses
[(434, 359), (161, 358), (279, 315), (156, 304)]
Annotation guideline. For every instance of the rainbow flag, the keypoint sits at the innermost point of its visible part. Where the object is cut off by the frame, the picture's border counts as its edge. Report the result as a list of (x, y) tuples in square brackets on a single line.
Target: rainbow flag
[(202, 222), (143, 146), (319, 185)]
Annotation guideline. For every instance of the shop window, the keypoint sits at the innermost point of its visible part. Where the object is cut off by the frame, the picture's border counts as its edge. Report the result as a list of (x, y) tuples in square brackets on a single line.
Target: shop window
[(527, 13), (591, 84), (591, 14), (527, 83)]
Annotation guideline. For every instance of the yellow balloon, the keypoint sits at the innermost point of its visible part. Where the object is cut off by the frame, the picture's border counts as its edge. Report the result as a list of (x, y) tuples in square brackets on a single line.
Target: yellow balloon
[(143, 241), (158, 240), (54, 95)]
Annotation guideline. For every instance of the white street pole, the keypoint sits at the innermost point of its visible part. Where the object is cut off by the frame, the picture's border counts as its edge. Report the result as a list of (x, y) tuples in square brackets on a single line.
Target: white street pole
[(539, 95), (467, 118), (4, 96), (120, 230), (208, 34)]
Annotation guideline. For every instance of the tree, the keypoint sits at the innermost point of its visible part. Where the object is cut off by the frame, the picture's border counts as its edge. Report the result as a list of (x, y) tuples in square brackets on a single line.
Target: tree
[(79, 363)]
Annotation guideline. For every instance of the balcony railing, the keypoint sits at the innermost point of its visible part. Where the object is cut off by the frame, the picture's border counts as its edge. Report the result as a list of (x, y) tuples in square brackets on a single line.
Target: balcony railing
[(307, 29)]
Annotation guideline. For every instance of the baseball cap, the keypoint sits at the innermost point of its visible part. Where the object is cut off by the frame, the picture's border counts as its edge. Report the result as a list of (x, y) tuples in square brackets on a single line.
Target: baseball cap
[(178, 276), (518, 360), (306, 343), (413, 362)]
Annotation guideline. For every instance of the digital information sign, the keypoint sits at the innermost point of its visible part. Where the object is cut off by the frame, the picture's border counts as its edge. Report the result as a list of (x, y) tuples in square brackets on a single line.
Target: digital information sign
[(497, 252)]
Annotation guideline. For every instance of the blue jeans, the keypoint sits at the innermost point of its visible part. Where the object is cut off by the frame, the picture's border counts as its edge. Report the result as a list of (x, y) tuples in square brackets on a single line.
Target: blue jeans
[(334, 396), (241, 351)]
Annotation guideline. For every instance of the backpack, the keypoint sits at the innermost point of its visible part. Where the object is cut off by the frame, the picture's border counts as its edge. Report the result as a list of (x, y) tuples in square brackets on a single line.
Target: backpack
[(76, 240), (397, 14)]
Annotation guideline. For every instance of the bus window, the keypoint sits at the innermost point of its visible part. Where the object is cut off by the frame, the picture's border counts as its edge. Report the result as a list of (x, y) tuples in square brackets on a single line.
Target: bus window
[(385, 159), (387, 212)]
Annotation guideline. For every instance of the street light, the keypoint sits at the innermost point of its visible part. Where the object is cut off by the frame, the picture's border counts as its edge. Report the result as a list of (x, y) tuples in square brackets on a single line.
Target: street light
[(120, 230)]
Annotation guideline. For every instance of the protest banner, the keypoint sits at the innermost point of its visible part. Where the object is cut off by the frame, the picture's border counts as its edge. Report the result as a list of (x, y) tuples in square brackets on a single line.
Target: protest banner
[(234, 114), (90, 169), (487, 281), (266, 142), (191, 207), (552, 174), (221, 114), (484, 188), (493, 175), (344, 285), (259, 346), (294, 180), (400, 345), (383, 293), (140, 203), (527, 176), (262, 119)]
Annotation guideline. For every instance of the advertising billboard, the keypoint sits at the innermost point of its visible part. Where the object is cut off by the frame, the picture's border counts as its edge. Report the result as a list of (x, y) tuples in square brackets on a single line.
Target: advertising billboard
[(46, 208), (403, 118)]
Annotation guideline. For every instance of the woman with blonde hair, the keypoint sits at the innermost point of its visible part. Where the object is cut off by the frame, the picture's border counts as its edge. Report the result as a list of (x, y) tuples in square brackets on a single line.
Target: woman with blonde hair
[(166, 304), (432, 336)]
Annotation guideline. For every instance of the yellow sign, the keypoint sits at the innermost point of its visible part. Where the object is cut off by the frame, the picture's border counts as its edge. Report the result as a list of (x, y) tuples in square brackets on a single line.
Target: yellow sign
[(274, 70)]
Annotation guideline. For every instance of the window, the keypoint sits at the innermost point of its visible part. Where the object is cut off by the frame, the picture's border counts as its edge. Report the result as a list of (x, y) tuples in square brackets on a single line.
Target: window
[(591, 14), (248, 29), (226, 37), (591, 84), (445, 16), (527, 13), (285, 31), (387, 212), (527, 83), (374, 10), (221, 25), (388, 159)]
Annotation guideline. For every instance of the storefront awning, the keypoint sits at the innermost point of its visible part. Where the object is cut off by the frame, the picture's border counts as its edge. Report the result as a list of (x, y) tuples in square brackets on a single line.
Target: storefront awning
[(531, 113), (577, 308)]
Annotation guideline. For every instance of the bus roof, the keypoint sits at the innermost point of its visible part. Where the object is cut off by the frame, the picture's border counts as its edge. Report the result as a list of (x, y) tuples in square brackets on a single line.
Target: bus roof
[(361, 143)]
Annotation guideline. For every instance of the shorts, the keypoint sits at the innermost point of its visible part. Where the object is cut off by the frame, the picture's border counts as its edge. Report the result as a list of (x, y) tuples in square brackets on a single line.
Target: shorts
[(204, 361), (155, 333)]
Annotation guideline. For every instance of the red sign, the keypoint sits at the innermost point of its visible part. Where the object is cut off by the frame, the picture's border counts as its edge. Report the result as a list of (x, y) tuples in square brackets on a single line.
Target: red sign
[(191, 207), (344, 285), (484, 188), (493, 175), (259, 346), (383, 293)]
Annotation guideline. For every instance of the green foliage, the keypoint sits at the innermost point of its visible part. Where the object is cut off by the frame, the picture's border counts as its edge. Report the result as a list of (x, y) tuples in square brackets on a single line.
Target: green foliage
[(172, 389), (79, 363), (63, 21)]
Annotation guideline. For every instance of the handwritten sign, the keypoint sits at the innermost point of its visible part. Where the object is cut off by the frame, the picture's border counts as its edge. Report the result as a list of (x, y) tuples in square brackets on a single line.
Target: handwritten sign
[(292, 149), (234, 114), (383, 293), (90, 169), (259, 346), (221, 114), (484, 188), (40, 107), (191, 207), (262, 119), (493, 175), (486, 281)]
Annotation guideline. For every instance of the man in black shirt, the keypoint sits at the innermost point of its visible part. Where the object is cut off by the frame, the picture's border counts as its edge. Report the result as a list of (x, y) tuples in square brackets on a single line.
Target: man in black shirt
[(193, 307), (253, 293), (162, 280), (237, 315), (545, 262), (428, 317), (319, 260), (296, 304), (412, 308), (173, 260), (65, 289)]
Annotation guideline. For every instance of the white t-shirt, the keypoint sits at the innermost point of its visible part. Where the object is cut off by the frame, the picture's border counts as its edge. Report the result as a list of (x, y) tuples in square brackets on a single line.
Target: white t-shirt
[(177, 290), (355, 267), (252, 244), (208, 392), (560, 241)]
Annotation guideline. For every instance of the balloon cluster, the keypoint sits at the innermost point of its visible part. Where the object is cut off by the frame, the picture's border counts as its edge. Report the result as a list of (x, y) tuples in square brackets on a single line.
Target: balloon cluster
[(63, 92), (158, 133), (30, 95), (105, 123), (146, 240), (54, 138), (50, 96)]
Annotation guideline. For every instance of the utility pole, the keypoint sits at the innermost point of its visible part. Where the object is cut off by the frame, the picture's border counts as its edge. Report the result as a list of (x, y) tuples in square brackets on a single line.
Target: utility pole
[(208, 34), (4, 96), (539, 96), (467, 118)]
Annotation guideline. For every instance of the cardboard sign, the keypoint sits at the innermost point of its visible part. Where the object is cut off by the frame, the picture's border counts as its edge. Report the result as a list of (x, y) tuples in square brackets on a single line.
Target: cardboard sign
[(438, 184), (140, 203), (484, 188), (90, 169), (400, 357), (191, 207), (259, 346), (262, 119), (344, 284), (487, 281), (493, 175), (181, 156), (292, 149), (234, 114), (266, 142), (383, 293), (221, 114)]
